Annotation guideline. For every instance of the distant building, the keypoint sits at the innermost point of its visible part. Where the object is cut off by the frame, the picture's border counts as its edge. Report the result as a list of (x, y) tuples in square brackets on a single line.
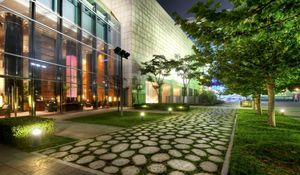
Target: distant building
[(147, 30)]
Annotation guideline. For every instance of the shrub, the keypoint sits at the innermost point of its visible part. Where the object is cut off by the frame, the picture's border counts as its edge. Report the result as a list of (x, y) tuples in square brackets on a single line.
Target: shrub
[(162, 106), (18, 131), (208, 98)]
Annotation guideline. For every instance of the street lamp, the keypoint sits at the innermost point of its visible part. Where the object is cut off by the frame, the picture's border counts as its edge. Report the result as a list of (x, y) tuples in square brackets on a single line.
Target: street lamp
[(122, 54)]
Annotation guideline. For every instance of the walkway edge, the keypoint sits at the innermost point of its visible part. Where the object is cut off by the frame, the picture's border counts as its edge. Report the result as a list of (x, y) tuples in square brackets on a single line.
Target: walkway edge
[(226, 163), (86, 169)]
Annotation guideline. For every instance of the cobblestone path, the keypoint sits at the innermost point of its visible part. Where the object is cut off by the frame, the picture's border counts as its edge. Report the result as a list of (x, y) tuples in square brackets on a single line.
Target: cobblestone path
[(191, 143)]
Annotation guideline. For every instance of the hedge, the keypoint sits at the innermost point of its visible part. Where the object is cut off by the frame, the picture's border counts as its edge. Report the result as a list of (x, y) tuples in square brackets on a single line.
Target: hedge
[(162, 106), (18, 131)]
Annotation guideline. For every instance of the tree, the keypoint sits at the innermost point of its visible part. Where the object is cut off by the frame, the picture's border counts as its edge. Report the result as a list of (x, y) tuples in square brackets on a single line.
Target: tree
[(272, 26), (156, 70), (187, 68)]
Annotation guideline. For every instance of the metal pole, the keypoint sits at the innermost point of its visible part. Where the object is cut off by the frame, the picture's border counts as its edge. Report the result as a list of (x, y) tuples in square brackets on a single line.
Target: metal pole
[(121, 99)]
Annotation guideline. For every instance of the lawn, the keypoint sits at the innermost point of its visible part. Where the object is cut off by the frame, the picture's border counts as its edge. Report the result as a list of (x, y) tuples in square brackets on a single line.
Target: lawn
[(48, 142), (114, 119), (259, 149)]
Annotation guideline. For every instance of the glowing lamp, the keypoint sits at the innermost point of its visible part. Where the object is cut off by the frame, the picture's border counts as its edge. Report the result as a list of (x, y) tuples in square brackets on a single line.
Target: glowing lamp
[(36, 132)]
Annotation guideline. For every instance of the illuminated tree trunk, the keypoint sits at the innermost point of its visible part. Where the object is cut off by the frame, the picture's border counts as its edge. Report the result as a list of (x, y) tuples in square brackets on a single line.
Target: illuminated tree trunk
[(271, 103), (160, 94), (257, 103)]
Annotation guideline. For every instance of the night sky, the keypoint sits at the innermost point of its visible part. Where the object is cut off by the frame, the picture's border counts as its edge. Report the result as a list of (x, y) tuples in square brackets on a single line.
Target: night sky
[(182, 6)]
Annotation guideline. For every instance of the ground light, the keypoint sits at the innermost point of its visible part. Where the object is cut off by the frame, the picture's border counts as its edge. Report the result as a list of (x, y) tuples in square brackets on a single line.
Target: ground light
[(170, 110), (142, 114), (36, 132), (282, 111), (180, 107)]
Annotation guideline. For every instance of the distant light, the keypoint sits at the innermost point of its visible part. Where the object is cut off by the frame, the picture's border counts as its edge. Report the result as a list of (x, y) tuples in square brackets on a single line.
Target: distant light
[(282, 110), (180, 107), (36, 132), (144, 106)]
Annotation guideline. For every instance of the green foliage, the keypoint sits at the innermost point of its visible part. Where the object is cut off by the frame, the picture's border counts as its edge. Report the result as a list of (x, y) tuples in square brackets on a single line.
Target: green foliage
[(162, 106), (18, 131), (208, 98), (260, 149), (156, 70)]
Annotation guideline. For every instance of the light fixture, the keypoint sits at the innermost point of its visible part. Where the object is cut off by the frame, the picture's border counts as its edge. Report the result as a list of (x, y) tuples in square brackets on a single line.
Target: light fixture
[(170, 110), (36, 132), (142, 114), (282, 111)]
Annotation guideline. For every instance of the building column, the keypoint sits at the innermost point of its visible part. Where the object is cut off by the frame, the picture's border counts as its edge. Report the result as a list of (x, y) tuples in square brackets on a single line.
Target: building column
[(79, 54), (31, 38), (94, 60)]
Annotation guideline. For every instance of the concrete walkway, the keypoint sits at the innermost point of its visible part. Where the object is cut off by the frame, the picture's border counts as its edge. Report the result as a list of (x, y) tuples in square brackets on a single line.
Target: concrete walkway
[(190, 143), (82, 130), (16, 162)]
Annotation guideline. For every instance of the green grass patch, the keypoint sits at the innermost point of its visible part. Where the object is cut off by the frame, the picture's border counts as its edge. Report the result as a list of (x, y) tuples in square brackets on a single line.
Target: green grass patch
[(114, 118), (50, 141), (261, 150)]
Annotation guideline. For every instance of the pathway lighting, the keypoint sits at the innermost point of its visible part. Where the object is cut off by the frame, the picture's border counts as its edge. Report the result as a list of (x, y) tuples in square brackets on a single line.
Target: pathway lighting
[(282, 111), (142, 114), (170, 110), (36, 132)]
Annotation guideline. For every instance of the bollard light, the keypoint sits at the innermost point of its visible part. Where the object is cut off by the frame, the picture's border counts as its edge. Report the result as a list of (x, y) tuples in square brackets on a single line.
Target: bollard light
[(180, 107), (142, 114), (36, 132), (282, 111), (170, 110)]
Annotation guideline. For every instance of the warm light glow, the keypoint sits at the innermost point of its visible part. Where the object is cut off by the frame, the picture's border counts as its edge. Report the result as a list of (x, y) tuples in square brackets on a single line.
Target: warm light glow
[(282, 110), (109, 99), (170, 109), (36, 132), (180, 107), (142, 114), (1, 101), (296, 89)]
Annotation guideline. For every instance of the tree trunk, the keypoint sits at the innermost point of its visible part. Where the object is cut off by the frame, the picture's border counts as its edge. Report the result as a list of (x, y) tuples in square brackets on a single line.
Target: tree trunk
[(137, 97), (271, 104), (253, 103), (183, 94), (159, 94), (257, 102)]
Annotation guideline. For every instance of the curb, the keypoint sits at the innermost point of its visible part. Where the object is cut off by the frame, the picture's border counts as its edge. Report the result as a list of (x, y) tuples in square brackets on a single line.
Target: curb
[(226, 163)]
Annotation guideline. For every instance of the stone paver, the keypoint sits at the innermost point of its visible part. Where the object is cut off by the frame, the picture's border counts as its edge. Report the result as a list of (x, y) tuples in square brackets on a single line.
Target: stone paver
[(189, 143)]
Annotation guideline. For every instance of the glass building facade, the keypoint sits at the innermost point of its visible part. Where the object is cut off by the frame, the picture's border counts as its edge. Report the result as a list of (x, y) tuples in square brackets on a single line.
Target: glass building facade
[(57, 55)]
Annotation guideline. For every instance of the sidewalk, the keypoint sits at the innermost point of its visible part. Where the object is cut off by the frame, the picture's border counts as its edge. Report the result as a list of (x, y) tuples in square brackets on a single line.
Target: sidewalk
[(16, 162)]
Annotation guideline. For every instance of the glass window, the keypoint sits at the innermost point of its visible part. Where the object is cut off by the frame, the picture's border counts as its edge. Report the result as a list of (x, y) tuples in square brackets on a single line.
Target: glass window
[(87, 19), (101, 29), (47, 3), (69, 10)]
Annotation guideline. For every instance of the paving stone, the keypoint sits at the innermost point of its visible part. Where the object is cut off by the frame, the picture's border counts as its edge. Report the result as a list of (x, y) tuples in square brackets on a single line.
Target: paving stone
[(86, 152), (154, 139), (182, 146), (130, 170), (199, 152), (163, 141), (185, 151), (92, 148), (139, 159), (192, 157), (71, 157), (110, 169), (149, 143), (184, 132), (168, 137), (214, 151), (84, 142), (120, 138), (160, 157), (108, 156), (143, 137), (96, 143), (85, 159), (126, 154), (176, 173), (78, 149), (100, 151), (59, 154), (166, 147), (112, 142), (50, 151), (215, 159), (104, 138), (157, 168), (106, 146), (175, 153), (181, 165), (119, 147), (184, 141), (120, 162), (65, 148), (136, 146), (209, 166), (149, 150), (222, 148), (97, 164), (202, 145)]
